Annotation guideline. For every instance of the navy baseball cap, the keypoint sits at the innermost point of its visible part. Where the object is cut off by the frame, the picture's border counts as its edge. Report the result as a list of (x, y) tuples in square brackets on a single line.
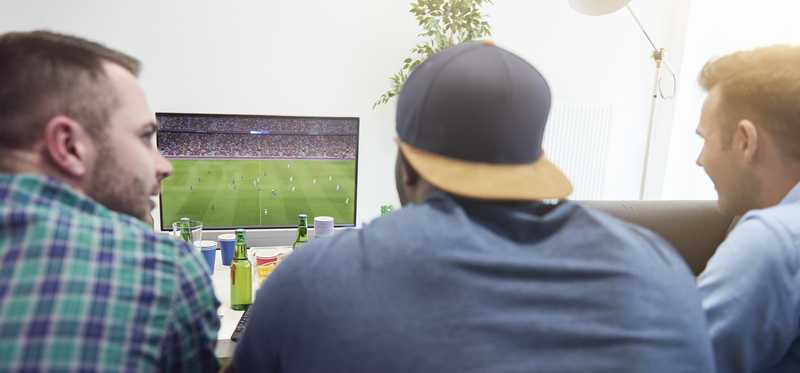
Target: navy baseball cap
[(470, 120)]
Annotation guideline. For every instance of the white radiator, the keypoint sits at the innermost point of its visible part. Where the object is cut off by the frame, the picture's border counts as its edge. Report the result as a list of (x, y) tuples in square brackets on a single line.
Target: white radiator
[(577, 140)]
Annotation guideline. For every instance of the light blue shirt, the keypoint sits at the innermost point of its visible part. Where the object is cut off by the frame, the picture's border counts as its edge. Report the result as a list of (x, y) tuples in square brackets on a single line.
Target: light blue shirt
[(751, 291)]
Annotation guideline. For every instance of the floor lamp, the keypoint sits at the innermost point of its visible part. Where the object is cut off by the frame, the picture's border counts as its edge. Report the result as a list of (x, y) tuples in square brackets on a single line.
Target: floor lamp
[(603, 7)]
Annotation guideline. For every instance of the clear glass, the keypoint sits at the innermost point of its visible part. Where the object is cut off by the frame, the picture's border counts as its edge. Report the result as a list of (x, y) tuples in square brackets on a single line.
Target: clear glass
[(191, 233)]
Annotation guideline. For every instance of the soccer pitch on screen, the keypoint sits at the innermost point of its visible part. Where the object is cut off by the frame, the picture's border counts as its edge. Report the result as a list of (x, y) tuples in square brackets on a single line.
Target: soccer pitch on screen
[(228, 194)]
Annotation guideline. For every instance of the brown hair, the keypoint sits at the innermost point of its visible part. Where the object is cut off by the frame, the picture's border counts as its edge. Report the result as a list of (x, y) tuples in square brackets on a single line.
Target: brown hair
[(762, 85), (44, 74)]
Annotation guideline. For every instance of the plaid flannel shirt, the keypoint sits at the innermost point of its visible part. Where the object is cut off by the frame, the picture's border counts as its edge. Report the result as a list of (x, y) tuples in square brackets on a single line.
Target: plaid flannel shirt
[(83, 288)]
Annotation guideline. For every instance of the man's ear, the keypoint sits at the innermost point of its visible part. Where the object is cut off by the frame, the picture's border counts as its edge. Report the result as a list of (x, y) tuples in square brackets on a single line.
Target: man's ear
[(408, 175), (68, 146), (745, 139)]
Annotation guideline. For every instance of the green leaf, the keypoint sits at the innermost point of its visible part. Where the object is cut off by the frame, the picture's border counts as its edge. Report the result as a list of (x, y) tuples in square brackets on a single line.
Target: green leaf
[(443, 23)]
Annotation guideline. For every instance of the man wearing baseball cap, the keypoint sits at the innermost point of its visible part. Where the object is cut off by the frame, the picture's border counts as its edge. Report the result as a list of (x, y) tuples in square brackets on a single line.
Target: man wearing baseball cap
[(477, 272)]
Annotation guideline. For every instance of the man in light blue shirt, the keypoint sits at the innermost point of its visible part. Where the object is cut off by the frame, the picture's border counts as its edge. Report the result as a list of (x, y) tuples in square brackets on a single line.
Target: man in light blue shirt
[(751, 286)]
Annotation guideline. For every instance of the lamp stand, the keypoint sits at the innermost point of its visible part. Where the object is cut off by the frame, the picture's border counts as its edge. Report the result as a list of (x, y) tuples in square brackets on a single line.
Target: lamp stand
[(658, 57), (601, 7)]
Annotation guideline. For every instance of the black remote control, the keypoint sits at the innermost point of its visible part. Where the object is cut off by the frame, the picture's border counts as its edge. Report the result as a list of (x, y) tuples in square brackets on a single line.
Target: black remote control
[(240, 326)]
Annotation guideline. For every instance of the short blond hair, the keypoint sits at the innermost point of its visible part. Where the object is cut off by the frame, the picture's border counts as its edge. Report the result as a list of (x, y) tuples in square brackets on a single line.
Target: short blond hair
[(762, 85)]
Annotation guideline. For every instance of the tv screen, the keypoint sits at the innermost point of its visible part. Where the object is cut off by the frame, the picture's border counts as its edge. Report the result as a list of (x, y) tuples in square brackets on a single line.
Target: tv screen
[(257, 171)]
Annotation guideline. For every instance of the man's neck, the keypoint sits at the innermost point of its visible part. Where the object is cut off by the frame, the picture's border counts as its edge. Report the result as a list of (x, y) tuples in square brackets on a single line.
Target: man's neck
[(16, 161), (30, 162), (425, 190)]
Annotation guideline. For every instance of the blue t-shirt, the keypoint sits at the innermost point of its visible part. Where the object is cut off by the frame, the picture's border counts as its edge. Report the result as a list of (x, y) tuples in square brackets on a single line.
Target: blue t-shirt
[(455, 285), (751, 292)]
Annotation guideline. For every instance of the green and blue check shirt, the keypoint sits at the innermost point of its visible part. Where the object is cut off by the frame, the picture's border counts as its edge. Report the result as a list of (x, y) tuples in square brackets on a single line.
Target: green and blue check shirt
[(83, 288)]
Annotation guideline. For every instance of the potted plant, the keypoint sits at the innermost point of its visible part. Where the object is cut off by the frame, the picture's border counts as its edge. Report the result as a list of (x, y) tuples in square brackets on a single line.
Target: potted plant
[(444, 23)]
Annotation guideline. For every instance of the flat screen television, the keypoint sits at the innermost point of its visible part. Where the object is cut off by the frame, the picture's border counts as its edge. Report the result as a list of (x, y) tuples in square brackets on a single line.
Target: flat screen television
[(257, 171)]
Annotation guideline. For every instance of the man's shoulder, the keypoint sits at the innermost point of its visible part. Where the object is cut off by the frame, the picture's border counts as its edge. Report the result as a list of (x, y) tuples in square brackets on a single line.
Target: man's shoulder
[(648, 252), (383, 230), (336, 247), (374, 242), (138, 244), (781, 217), (427, 224), (767, 235), (427, 220), (612, 226), (132, 232)]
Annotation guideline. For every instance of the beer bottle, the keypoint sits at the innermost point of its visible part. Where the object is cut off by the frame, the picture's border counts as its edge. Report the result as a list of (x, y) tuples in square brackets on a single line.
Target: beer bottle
[(302, 232), (241, 275)]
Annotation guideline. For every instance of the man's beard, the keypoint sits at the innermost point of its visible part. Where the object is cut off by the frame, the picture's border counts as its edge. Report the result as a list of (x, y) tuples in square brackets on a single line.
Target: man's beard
[(112, 189)]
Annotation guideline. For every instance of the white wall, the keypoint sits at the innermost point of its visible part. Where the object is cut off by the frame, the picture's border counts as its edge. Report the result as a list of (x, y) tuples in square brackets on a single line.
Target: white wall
[(601, 62), (326, 58), (299, 57), (711, 33)]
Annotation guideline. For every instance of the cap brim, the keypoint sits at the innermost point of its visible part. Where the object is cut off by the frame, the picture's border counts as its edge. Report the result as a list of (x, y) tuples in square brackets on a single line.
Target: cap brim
[(532, 181)]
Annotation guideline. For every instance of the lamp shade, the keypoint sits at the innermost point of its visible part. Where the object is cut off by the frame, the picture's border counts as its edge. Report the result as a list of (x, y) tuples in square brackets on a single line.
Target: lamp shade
[(597, 7)]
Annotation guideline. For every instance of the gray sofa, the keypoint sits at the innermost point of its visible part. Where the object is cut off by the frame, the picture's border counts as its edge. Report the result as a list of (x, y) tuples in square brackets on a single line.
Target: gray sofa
[(695, 228)]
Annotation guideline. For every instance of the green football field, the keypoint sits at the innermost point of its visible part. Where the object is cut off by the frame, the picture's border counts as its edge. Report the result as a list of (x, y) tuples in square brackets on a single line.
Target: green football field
[(250, 193)]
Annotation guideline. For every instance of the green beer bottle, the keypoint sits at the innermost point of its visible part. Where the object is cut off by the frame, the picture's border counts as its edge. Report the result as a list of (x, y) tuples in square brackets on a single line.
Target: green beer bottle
[(186, 230), (241, 275), (302, 232), (386, 209)]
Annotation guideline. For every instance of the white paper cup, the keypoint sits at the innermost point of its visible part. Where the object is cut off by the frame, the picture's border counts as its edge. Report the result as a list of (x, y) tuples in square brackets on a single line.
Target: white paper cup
[(323, 226)]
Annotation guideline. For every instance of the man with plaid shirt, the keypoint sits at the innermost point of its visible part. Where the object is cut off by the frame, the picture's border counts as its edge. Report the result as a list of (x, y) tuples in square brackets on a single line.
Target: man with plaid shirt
[(85, 283)]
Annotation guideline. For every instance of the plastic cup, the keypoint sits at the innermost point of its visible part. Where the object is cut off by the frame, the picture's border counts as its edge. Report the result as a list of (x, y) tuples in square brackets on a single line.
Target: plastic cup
[(226, 243), (209, 250), (323, 226), (265, 264), (195, 226)]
